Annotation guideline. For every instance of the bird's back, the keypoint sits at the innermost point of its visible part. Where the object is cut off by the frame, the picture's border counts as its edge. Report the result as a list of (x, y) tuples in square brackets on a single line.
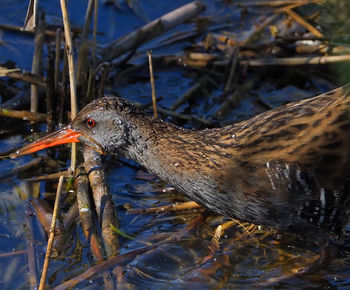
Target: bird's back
[(292, 164), (287, 168)]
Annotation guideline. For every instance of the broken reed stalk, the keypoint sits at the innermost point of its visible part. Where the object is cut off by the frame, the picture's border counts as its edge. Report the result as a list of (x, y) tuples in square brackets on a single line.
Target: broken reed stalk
[(23, 76), (154, 98), (303, 22), (20, 29), (24, 115), (151, 30), (63, 91), (57, 57), (104, 205), (38, 51), (88, 223), (86, 216), (51, 176), (90, 91), (184, 117), (52, 234), (259, 29), (50, 92), (72, 80), (82, 59), (30, 21), (94, 33)]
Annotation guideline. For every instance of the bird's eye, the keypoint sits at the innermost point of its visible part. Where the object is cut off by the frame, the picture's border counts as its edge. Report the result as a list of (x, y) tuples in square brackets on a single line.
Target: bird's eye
[(90, 122)]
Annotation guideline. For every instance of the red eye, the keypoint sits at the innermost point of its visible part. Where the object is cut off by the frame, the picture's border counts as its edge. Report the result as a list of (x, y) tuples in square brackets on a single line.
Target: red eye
[(90, 122)]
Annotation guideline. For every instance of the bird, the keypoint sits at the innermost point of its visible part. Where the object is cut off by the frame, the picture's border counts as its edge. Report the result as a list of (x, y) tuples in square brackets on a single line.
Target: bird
[(287, 168)]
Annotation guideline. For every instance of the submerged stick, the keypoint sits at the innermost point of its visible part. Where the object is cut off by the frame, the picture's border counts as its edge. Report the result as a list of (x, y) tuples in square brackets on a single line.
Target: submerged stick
[(124, 258), (187, 95), (151, 30), (31, 253)]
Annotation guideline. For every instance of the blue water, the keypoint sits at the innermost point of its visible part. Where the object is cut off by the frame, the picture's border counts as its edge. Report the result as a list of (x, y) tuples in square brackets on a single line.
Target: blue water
[(180, 263)]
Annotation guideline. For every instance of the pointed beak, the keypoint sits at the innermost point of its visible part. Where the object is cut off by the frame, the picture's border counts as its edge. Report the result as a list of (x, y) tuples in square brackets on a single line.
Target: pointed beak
[(63, 136)]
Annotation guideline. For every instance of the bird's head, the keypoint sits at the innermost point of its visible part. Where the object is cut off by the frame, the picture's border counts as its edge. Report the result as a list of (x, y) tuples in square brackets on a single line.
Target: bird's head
[(102, 125)]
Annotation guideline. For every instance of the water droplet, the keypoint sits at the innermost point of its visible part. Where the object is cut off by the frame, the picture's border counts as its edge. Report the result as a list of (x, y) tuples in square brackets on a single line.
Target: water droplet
[(233, 136)]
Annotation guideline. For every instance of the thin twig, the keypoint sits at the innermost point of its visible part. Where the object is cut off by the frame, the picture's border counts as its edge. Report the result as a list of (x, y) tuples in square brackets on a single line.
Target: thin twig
[(295, 60), (51, 176), (166, 208), (277, 2), (52, 234), (154, 98)]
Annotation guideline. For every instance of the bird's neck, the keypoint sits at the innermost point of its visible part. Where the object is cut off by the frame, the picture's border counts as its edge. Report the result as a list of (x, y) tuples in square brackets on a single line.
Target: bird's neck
[(184, 158), (154, 144)]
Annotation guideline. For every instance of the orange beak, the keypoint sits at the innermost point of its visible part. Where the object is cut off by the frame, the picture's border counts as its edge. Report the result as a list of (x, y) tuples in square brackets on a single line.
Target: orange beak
[(63, 136)]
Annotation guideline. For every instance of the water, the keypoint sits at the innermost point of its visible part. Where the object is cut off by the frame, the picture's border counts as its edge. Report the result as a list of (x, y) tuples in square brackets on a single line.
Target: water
[(184, 259)]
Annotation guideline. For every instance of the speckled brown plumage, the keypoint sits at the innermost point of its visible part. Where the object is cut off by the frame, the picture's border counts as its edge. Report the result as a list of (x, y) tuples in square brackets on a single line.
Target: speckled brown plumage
[(287, 168)]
